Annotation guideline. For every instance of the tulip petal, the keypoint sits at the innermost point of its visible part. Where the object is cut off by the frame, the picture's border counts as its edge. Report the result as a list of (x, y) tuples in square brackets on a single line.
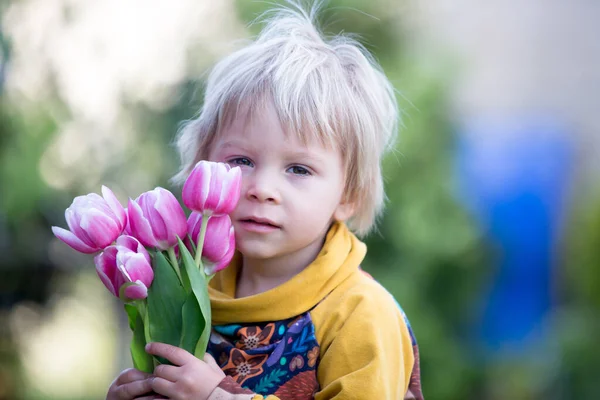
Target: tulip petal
[(101, 228), (131, 243), (70, 239), (188, 193), (223, 179), (230, 191), (236, 183), (72, 217), (136, 291), (160, 229), (226, 260), (74, 222), (157, 220), (106, 267), (209, 176), (216, 184), (115, 206), (127, 229), (170, 210), (139, 269), (216, 241), (196, 187), (213, 268), (194, 223), (83, 203), (139, 225)]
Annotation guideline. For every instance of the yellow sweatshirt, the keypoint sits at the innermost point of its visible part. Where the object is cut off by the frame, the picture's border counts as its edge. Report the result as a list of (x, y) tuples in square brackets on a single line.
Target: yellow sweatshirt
[(330, 332)]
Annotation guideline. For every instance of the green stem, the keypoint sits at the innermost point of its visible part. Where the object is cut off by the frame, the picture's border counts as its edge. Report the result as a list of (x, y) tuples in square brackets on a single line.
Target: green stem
[(173, 258), (200, 243), (142, 310), (141, 307)]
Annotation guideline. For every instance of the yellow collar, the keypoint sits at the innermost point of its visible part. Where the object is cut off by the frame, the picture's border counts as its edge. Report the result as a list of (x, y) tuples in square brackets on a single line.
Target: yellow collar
[(340, 256)]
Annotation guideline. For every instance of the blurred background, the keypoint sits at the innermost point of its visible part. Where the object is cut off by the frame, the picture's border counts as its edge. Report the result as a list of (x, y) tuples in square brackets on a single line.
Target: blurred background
[(491, 238)]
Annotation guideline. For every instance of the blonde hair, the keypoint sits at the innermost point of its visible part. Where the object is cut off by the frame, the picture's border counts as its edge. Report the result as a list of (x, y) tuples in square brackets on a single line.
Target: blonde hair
[(329, 89)]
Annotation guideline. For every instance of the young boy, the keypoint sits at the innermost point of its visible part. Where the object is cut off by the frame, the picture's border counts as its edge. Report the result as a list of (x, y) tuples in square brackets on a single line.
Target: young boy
[(294, 316)]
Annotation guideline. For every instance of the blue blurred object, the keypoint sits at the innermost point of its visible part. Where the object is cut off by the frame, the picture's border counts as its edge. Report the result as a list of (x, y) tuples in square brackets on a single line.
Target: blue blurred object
[(514, 176)]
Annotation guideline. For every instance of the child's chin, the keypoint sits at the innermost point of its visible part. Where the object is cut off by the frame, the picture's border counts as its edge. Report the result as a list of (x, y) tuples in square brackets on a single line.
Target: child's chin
[(256, 249)]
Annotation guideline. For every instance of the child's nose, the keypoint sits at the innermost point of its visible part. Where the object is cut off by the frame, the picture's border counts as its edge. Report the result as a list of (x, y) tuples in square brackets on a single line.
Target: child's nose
[(261, 187)]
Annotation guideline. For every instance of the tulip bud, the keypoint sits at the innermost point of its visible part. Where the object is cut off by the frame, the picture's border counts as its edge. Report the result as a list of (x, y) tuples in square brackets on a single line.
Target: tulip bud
[(125, 269), (219, 242), (212, 188), (156, 219), (94, 222)]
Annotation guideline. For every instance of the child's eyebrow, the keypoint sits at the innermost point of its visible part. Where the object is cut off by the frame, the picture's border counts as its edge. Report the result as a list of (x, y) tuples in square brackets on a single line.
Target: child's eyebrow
[(304, 155), (237, 144)]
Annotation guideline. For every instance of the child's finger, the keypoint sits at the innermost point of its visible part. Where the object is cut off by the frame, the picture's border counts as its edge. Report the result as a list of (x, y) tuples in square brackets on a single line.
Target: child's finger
[(168, 372), (131, 375), (164, 387), (152, 396), (174, 354), (132, 390), (210, 361)]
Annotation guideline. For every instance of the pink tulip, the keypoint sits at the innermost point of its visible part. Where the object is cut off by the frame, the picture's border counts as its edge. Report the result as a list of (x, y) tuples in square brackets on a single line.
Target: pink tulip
[(156, 219), (127, 229), (219, 242), (126, 263), (94, 222), (212, 188)]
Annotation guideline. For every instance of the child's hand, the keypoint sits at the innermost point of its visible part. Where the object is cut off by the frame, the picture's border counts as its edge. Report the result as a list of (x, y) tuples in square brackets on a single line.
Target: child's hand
[(188, 377), (130, 384)]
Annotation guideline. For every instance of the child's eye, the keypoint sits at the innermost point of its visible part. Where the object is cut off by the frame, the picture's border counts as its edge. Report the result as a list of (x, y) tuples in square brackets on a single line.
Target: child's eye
[(298, 170), (240, 161)]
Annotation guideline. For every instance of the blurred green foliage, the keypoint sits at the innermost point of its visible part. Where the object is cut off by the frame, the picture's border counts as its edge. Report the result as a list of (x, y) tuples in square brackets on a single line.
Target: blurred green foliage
[(428, 251), (577, 321)]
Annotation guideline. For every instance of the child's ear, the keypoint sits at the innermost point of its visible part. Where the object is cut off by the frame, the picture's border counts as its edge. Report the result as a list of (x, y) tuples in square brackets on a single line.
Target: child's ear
[(344, 211)]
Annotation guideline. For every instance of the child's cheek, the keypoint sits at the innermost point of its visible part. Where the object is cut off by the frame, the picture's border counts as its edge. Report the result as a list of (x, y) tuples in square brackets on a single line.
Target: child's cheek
[(235, 216), (246, 171)]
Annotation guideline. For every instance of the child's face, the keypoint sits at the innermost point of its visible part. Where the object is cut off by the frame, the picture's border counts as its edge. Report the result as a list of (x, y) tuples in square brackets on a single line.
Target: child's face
[(290, 192)]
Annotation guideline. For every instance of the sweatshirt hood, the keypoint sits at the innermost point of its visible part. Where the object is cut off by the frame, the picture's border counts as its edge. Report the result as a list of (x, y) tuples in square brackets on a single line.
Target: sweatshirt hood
[(339, 258)]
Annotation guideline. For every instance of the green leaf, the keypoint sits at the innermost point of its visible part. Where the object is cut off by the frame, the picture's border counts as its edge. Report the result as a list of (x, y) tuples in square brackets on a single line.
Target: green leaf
[(166, 297), (192, 325), (132, 313), (199, 286), (141, 359), (185, 279)]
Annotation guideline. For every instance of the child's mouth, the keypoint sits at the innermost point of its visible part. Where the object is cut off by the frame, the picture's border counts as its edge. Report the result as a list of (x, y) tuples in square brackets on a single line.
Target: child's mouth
[(258, 225)]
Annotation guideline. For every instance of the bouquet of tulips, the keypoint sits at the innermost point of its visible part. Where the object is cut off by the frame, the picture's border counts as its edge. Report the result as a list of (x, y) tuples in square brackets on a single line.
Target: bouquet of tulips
[(157, 261)]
